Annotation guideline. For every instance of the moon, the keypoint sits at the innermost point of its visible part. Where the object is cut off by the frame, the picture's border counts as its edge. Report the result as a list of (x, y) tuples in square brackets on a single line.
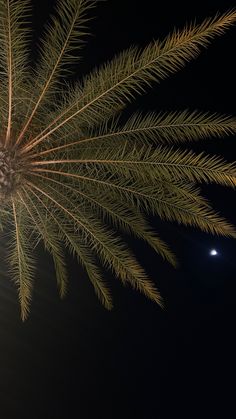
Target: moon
[(213, 252)]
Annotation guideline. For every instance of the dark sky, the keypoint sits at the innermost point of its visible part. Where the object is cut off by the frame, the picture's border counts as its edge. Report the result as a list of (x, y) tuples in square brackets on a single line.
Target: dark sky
[(72, 358)]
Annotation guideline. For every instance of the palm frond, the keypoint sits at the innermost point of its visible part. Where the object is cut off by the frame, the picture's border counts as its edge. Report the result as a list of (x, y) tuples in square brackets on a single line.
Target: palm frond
[(85, 256), (121, 216), (73, 175), (112, 251), (152, 199), (14, 40), (21, 260), (152, 163), (57, 48), (132, 71), (86, 259), (50, 239), (162, 128)]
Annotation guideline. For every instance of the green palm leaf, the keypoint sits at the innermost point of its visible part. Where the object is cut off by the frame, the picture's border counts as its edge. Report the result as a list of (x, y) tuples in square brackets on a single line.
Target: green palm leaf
[(50, 239), (57, 48), (162, 128), (14, 40), (132, 71), (73, 176), (85, 257), (21, 260), (148, 162)]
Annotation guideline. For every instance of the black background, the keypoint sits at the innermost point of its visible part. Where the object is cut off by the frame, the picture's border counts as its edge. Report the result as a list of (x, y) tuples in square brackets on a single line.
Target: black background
[(72, 358)]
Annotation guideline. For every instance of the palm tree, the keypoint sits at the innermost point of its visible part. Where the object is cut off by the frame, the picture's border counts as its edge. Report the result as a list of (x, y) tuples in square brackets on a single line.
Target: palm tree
[(72, 175)]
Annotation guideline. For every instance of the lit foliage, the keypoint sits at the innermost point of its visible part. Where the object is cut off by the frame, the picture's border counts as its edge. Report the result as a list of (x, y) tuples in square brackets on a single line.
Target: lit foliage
[(72, 175)]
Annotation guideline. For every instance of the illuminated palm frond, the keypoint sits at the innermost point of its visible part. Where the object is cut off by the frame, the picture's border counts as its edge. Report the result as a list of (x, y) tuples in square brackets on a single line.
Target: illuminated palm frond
[(72, 176)]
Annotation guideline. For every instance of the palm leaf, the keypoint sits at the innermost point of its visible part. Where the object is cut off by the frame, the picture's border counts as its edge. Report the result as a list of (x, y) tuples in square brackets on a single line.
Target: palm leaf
[(50, 239), (83, 253), (150, 163), (154, 200), (162, 128), (74, 175), (120, 215), (14, 40), (21, 260), (112, 251), (57, 47), (132, 71)]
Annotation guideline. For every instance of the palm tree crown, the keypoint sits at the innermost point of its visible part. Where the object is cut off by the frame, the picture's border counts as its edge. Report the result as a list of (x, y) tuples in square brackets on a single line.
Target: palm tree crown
[(72, 175)]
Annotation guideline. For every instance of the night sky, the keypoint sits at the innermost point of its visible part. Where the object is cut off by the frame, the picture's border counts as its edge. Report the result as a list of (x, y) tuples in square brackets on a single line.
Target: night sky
[(74, 359)]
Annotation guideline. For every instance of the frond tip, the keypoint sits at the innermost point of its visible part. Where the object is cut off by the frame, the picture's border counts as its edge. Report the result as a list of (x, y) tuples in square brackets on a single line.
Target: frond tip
[(73, 176)]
